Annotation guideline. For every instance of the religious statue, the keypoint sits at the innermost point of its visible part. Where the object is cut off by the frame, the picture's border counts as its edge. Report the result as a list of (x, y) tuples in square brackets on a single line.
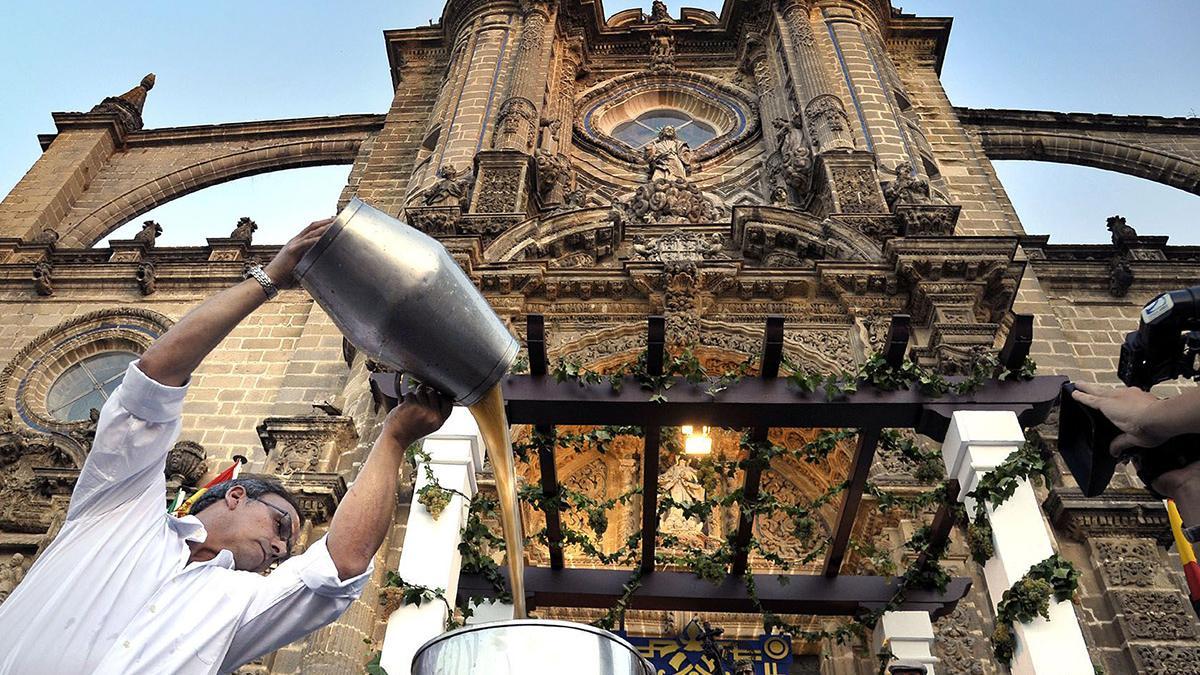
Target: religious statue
[(668, 157), (682, 485), (452, 189), (662, 48), (245, 229), (908, 188), (779, 196), (11, 574), (659, 11), (151, 231)]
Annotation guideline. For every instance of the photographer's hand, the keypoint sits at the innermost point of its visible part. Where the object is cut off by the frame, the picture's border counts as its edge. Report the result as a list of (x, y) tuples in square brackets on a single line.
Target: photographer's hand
[(1129, 409)]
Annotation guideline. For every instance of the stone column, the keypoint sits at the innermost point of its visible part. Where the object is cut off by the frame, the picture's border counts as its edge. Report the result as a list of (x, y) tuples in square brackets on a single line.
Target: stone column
[(863, 63), (977, 442), (908, 636), (825, 115), (430, 555), (517, 121)]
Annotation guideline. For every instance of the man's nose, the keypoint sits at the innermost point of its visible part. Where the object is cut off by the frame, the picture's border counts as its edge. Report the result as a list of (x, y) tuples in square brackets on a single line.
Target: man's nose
[(279, 548)]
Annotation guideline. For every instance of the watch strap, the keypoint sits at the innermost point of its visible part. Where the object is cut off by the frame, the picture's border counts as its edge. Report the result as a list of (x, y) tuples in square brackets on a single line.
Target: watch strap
[(257, 273), (1192, 533)]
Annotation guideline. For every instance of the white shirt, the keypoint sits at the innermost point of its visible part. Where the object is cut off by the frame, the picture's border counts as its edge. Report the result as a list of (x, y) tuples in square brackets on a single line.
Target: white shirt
[(114, 592)]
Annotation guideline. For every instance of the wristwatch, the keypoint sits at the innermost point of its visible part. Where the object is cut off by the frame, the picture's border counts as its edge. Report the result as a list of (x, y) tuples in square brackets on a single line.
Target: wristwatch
[(1192, 534), (257, 273)]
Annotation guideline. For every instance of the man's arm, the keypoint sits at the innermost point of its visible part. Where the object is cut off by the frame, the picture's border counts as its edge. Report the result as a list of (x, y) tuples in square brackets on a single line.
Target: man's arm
[(173, 357), (365, 514)]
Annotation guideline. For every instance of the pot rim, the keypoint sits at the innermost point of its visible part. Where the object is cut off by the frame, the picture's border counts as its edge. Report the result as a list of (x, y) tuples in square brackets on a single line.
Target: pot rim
[(599, 632), (311, 256)]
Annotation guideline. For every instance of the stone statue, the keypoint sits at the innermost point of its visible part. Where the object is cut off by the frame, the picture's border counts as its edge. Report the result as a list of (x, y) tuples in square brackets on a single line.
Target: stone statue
[(779, 196), (1121, 231), (554, 176), (11, 574), (662, 48), (43, 281), (659, 11), (47, 236), (453, 188), (907, 188), (681, 484), (668, 157), (147, 278), (794, 151), (151, 231), (244, 231)]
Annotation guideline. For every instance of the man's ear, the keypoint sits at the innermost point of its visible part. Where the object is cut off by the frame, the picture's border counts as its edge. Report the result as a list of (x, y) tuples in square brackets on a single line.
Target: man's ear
[(234, 497)]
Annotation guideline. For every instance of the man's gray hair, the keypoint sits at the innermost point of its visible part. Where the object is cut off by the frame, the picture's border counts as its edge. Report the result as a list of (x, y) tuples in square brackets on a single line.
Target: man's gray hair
[(255, 486)]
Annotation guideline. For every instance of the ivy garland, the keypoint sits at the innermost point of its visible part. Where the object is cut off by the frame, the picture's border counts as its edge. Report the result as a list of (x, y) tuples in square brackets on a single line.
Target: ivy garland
[(1027, 598)]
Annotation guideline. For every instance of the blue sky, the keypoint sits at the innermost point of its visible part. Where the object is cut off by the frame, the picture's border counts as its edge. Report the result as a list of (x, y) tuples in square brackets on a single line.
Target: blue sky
[(226, 61)]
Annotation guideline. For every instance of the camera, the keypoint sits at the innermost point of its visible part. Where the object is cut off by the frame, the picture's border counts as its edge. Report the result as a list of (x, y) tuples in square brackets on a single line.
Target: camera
[(1166, 346)]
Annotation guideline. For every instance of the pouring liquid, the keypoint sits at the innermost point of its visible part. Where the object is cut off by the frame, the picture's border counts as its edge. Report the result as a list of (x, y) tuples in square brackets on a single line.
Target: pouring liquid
[(493, 426)]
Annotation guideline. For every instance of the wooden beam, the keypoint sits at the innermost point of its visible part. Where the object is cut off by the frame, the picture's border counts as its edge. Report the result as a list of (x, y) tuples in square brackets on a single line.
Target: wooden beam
[(772, 403), (811, 594), (655, 347), (772, 357), (943, 522), (1018, 342), (535, 341), (867, 439), (896, 344)]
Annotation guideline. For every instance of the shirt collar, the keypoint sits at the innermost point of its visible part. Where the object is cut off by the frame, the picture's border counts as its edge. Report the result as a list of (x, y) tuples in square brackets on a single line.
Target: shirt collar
[(189, 528)]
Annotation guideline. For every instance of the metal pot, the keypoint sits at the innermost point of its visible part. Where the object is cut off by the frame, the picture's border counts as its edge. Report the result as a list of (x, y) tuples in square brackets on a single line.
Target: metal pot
[(399, 297), (529, 647)]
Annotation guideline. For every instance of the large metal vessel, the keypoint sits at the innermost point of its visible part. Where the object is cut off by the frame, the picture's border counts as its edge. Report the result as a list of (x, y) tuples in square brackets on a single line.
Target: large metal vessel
[(529, 647), (398, 296)]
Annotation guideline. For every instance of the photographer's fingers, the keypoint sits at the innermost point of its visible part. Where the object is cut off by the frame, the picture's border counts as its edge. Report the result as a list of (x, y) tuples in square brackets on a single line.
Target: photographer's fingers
[(1122, 443), (1090, 400)]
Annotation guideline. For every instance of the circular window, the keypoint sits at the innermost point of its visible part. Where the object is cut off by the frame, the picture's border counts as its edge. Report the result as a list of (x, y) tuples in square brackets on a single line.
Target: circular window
[(645, 128), (86, 385), (54, 381)]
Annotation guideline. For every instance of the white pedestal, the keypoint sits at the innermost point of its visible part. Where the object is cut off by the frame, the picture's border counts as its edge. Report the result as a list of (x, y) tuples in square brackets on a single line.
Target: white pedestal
[(909, 637), (430, 554), (976, 443)]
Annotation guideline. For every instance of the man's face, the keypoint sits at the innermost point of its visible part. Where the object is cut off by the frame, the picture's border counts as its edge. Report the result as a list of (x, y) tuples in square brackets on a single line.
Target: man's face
[(260, 530)]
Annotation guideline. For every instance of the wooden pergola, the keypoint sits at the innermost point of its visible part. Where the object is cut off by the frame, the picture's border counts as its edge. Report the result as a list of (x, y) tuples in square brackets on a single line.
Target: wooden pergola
[(757, 404)]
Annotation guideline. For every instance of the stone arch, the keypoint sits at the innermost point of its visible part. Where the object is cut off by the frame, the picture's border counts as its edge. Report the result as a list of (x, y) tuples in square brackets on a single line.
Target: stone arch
[(85, 227), (1161, 149)]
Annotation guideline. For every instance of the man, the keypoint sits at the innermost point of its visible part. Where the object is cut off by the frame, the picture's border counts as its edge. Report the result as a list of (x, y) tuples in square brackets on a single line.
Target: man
[(1147, 421), (127, 588)]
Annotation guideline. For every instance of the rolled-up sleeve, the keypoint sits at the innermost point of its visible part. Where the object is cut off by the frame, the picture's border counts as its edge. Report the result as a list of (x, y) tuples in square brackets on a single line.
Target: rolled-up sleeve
[(302, 595), (124, 467)]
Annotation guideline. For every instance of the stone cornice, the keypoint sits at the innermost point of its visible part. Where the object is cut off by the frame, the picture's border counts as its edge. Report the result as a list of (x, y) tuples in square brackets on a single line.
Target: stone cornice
[(906, 29), (361, 124), (1113, 514)]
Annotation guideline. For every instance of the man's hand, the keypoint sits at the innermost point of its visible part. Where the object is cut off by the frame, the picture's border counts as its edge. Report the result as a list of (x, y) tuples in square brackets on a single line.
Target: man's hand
[(1128, 408), (422, 412), (282, 266)]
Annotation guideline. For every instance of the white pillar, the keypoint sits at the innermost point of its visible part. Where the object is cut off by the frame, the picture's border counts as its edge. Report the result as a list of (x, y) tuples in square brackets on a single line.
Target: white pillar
[(909, 637), (976, 443), (430, 554)]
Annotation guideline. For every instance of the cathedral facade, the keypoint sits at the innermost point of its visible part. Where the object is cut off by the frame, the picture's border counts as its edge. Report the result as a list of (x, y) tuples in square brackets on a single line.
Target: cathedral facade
[(793, 158)]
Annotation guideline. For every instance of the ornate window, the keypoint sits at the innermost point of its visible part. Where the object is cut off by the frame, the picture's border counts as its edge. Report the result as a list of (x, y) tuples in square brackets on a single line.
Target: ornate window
[(638, 132), (620, 116), (53, 382), (86, 385)]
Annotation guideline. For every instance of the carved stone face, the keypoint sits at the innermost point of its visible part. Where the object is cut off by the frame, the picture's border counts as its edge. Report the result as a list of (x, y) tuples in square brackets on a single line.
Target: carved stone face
[(668, 132)]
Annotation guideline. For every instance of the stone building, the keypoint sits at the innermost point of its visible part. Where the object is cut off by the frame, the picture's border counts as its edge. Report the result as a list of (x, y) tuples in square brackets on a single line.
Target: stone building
[(796, 158)]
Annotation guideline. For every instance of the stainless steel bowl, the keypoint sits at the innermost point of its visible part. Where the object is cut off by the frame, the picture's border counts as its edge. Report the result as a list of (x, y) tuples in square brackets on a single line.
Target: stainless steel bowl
[(529, 647), (399, 297)]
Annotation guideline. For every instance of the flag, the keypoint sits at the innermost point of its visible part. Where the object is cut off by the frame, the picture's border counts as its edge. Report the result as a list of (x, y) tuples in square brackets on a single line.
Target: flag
[(227, 474), (1187, 555)]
